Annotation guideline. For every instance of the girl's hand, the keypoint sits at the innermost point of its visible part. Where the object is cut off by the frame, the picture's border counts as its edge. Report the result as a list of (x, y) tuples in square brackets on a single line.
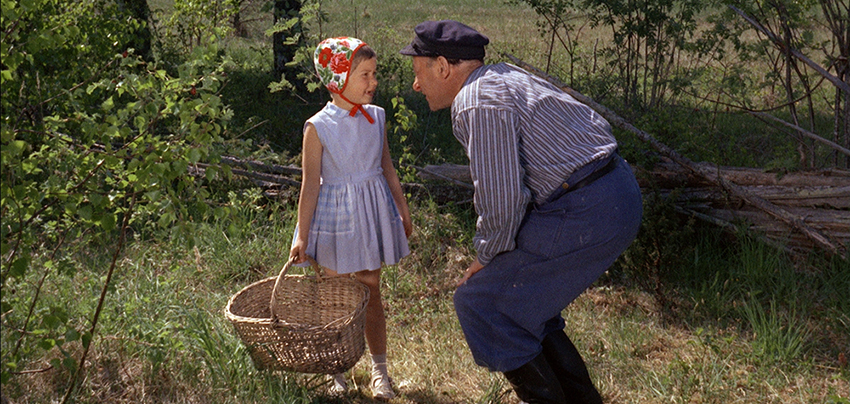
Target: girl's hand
[(473, 268), (408, 226), (298, 252)]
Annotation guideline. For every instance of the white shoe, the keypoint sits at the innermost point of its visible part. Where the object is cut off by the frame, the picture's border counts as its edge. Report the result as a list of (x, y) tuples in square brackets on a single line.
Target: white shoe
[(339, 385), (382, 386)]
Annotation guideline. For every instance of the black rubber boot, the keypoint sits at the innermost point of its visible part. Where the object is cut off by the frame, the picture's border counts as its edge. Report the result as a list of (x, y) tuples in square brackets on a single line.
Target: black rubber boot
[(536, 383), (567, 364)]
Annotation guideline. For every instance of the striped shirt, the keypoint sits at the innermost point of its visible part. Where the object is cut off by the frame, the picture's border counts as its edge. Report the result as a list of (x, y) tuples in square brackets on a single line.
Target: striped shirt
[(523, 137)]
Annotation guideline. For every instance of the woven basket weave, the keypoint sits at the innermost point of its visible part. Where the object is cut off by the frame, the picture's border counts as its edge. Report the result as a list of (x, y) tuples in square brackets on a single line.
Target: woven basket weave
[(306, 324)]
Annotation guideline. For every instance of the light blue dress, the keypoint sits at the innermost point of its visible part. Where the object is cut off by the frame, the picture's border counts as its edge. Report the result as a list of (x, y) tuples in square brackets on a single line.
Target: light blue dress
[(356, 225)]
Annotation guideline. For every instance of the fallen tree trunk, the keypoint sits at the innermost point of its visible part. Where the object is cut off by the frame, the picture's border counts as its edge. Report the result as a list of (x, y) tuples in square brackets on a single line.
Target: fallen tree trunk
[(807, 197), (261, 178), (667, 174), (834, 223), (260, 166)]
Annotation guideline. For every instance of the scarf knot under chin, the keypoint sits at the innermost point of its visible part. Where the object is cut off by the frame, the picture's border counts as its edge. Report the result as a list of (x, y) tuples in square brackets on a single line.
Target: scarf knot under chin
[(358, 107)]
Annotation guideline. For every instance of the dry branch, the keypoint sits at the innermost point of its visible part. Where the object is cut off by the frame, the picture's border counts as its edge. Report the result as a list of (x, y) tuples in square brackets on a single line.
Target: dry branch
[(259, 166), (834, 80), (455, 172), (803, 132), (439, 172), (261, 174)]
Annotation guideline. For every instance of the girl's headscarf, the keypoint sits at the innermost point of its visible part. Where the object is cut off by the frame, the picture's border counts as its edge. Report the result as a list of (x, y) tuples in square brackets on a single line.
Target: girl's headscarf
[(332, 59)]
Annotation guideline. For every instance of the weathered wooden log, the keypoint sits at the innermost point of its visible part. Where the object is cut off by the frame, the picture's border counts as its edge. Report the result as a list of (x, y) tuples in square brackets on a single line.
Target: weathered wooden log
[(667, 174), (832, 222), (455, 172), (262, 179), (804, 197)]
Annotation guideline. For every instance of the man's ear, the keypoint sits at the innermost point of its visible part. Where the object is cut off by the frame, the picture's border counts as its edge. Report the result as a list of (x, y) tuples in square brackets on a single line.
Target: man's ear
[(443, 68)]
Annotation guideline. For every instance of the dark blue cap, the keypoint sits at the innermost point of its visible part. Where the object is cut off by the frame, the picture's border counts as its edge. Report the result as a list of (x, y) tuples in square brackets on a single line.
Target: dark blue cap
[(447, 38)]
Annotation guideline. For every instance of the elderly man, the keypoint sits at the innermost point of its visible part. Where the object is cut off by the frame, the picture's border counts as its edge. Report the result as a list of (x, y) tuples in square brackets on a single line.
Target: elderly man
[(556, 206)]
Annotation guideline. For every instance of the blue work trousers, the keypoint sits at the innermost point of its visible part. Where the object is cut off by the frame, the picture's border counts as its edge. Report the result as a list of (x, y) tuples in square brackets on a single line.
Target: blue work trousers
[(563, 246)]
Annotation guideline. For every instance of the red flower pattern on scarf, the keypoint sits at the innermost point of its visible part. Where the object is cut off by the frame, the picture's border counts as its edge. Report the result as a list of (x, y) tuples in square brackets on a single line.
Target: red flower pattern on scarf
[(325, 57), (340, 64)]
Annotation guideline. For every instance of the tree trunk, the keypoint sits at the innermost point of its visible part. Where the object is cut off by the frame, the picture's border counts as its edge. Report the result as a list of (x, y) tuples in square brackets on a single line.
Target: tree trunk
[(283, 53), (142, 40), (239, 28)]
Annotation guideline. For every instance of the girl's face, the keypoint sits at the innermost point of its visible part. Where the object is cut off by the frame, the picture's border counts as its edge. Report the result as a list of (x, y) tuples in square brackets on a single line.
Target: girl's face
[(362, 82)]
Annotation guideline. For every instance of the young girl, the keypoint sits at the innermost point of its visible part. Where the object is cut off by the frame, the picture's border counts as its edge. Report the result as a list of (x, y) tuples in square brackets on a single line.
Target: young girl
[(352, 215)]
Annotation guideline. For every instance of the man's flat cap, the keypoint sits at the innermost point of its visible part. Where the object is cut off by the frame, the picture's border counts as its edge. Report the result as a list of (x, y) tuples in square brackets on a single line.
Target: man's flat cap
[(447, 38)]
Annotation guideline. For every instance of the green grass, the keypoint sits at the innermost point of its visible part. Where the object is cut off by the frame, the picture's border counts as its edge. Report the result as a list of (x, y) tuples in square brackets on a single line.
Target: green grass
[(164, 335)]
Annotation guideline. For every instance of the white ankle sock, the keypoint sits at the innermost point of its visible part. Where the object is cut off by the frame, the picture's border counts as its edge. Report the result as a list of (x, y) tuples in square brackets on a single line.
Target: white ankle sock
[(339, 383), (379, 358), (379, 363)]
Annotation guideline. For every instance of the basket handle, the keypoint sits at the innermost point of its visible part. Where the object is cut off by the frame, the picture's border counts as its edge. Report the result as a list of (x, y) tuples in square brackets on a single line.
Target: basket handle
[(279, 281)]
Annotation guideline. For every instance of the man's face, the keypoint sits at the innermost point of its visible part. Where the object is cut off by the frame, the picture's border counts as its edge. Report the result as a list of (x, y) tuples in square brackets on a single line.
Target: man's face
[(430, 82)]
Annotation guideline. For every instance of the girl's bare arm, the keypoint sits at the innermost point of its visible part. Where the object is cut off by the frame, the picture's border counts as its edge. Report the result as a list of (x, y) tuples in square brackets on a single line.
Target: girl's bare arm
[(395, 188), (311, 170)]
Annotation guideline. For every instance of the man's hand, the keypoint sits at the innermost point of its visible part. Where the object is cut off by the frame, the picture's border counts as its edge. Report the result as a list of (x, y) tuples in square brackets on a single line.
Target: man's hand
[(473, 268)]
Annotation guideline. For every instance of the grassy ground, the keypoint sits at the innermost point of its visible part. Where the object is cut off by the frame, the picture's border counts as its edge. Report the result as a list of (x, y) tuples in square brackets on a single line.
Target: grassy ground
[(728, 326)]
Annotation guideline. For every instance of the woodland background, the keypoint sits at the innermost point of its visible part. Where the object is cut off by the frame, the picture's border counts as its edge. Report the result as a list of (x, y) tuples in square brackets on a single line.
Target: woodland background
[(150, 154)]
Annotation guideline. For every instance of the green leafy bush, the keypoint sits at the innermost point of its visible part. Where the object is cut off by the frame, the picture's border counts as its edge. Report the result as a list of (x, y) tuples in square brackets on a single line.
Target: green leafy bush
[(106, 144)]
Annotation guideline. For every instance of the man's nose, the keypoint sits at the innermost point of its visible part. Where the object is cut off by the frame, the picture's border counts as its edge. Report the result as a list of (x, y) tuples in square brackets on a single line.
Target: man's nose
[(416, 85)]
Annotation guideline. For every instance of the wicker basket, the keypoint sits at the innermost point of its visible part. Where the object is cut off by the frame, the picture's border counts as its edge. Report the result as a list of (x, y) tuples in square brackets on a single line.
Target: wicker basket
[(307, 324)]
